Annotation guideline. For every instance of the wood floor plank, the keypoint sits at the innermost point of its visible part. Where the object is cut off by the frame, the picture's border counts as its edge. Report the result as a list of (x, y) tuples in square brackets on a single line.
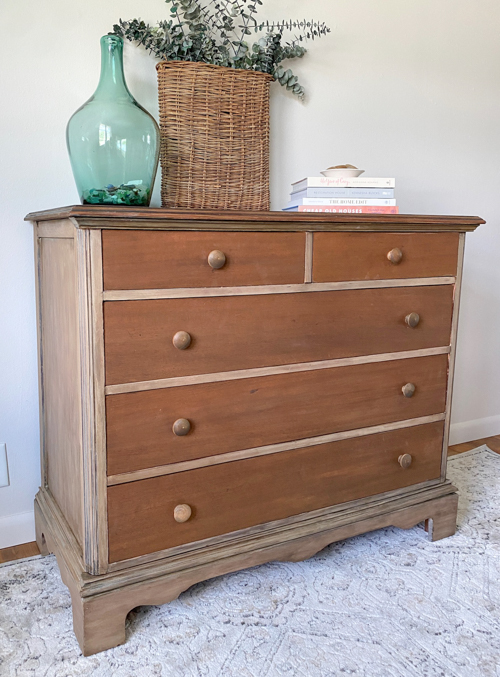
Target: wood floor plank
[(18, 552), (461, 448), (492, 442)]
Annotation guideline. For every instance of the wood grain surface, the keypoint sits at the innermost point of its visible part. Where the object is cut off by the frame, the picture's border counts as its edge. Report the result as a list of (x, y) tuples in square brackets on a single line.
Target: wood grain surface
[(266, 450), (237, 495), (96, 216), (19, 552), (246, 413), (60, 378), (161, 259), (93, 403), (363, 256), (101, 603), (247, 332)]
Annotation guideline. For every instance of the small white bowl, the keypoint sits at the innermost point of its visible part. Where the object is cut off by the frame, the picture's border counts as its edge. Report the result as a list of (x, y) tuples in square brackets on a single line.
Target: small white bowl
[(342, 172)]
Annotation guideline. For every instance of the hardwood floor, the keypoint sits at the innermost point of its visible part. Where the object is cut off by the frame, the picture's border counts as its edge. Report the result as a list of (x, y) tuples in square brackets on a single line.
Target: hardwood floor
[(18, 552), (492, 442), (30, 549)]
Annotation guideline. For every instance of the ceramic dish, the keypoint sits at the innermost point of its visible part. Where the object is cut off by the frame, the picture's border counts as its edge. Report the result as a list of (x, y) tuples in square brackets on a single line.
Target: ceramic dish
[(342, 172)]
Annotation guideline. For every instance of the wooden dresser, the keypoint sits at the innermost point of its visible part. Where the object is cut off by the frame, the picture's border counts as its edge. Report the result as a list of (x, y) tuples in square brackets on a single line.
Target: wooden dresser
[(223, 389)]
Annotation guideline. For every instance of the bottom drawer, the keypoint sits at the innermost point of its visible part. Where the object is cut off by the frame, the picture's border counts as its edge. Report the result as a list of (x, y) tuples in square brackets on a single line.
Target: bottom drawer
[(232, 496)]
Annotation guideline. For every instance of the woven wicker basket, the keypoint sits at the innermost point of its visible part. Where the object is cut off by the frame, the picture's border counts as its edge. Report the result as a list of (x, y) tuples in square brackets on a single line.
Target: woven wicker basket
[(214, 124)]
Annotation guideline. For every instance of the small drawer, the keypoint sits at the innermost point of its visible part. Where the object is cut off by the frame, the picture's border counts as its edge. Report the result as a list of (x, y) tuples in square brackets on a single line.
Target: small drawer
[(134, 259), (154, 339), (157, 427), (339, 257), (155, 514)]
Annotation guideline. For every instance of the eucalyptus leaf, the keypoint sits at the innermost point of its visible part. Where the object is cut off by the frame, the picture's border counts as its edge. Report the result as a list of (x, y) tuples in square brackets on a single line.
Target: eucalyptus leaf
[(214, 31)]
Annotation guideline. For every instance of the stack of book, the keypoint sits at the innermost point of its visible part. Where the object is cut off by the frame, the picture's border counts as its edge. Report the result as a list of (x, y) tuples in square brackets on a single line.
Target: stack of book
[(343, 195)]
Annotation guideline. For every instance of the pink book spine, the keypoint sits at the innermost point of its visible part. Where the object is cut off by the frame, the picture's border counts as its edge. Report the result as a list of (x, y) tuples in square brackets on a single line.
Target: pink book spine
[(338, 209)]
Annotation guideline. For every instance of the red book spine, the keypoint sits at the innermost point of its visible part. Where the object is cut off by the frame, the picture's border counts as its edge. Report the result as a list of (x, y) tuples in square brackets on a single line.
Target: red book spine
[(338, 209)]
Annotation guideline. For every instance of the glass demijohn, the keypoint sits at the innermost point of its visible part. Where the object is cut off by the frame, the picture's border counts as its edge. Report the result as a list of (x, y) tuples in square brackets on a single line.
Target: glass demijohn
[(113, 143)]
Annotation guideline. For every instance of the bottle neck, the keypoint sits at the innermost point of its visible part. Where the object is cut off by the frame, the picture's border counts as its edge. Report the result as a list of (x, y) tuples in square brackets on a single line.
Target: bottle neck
[(112, 83)]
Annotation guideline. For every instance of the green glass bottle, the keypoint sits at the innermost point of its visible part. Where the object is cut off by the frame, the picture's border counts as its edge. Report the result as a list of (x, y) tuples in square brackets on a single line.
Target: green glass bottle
[(113, 143)]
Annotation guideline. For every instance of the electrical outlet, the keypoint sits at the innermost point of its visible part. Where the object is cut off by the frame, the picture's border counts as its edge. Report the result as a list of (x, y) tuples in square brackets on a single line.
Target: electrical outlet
[(4, 468)]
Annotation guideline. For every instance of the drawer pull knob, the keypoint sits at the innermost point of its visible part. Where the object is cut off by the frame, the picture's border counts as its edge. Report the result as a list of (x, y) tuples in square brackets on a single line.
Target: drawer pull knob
[(181, 427), (395, 255), (412, 320), (183, 512), (405, 460), (182, 340), (408, 389), (216, 259)]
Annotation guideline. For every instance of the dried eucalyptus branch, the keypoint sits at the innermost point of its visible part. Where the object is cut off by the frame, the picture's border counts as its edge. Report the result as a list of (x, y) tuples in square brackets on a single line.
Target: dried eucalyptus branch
[(216, 32)]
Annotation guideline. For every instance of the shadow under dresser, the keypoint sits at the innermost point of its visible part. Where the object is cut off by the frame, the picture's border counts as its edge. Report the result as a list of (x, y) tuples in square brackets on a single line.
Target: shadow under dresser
[(223, 389)]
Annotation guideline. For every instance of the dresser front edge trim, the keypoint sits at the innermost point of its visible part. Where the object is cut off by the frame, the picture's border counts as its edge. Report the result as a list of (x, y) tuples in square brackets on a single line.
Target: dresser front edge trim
[(253, 452), (453, 347), (95, 545), (174, 382), (257, 290)]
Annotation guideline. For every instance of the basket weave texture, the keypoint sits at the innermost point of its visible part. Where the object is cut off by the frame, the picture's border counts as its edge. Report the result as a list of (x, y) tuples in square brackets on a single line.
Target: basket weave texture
[(214, 125)]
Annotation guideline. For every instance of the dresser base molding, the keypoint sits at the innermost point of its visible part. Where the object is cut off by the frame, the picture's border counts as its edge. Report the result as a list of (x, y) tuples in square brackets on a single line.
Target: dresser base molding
[(101, 603)]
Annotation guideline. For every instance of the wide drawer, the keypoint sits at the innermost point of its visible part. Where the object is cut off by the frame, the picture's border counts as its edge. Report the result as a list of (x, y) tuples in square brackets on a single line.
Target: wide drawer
[(366, 256), (242, 332), (232, 496), (253, 412), (164, 259)]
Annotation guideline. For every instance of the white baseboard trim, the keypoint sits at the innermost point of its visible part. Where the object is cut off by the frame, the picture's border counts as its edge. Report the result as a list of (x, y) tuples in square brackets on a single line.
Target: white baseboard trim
[(474, 430), (17, 529)]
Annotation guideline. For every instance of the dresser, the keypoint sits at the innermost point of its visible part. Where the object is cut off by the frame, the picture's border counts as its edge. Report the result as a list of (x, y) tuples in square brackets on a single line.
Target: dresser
[(223, 389)]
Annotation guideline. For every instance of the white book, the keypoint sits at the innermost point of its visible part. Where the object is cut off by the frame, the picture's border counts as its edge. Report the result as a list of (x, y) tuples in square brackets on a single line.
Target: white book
[(344, 201), (343, 181)]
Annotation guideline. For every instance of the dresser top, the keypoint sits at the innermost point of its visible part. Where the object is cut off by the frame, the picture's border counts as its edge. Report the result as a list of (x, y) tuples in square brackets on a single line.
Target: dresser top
[(96, 216)]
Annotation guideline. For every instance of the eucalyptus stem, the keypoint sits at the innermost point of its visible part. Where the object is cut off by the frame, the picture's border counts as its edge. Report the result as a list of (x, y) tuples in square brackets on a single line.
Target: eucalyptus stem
[(216, 31)]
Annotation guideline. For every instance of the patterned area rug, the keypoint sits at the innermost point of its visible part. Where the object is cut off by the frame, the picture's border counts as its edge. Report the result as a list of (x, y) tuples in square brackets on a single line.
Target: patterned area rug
[(385, 604)]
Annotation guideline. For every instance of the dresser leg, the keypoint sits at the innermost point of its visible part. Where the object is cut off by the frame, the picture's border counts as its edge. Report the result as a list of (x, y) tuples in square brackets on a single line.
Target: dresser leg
[(40, 529), (443, 522), (97, 623)]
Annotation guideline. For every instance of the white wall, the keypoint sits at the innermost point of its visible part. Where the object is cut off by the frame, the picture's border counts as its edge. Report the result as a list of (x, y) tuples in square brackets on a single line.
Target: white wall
[(407, 89)]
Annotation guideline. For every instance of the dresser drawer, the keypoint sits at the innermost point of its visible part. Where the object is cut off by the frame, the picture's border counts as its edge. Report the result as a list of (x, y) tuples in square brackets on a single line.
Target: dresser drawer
[(366, 256), (232, 496), (243, 332), (268, 410), (164, 259)]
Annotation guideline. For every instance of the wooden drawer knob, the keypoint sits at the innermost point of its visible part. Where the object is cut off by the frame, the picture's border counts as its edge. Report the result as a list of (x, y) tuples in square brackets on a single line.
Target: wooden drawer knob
[(412, 319), (181, 427), (405, 460), (182, 340), (395, 255), (216, 259), (182, 513), (408, 389)]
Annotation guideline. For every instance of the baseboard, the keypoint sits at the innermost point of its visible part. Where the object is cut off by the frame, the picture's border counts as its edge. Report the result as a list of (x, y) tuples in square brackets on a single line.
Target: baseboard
[(17, 529), (474, 430)]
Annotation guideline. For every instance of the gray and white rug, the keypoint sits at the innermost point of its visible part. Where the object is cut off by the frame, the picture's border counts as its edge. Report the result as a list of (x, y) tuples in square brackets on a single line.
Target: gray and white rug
[(385, 604)]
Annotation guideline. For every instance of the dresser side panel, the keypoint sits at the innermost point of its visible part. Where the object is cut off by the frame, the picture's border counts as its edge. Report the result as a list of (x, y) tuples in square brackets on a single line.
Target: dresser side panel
[(60, 378)]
